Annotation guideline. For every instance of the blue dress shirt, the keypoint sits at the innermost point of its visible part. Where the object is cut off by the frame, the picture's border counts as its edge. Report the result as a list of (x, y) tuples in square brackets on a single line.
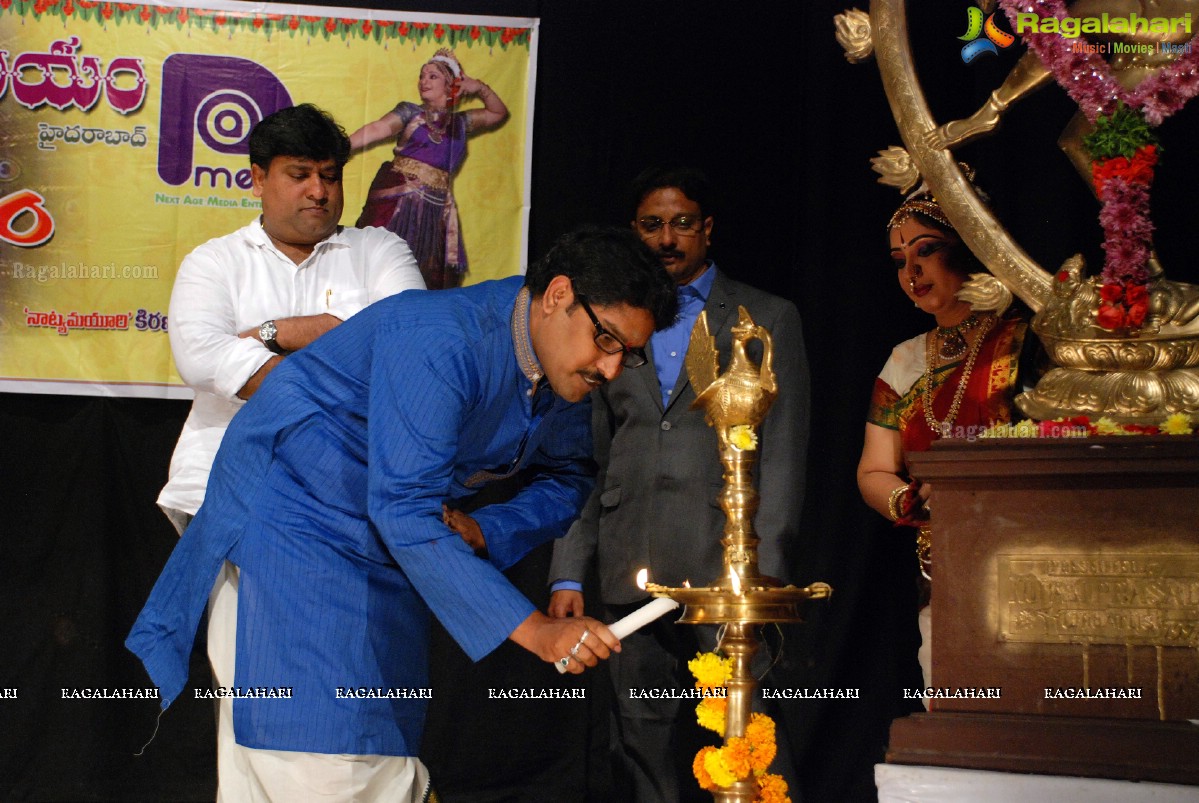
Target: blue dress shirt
[(670, 344)]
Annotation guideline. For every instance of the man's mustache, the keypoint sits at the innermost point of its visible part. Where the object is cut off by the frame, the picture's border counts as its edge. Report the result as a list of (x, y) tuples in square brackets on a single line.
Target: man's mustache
[(668, 253)]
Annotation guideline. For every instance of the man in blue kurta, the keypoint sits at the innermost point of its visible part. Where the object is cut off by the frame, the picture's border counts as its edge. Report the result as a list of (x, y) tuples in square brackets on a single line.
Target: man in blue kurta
[(327, 496)]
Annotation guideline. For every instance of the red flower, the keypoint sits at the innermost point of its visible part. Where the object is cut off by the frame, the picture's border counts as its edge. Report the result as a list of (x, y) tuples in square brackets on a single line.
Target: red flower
[(1111, 293), (220, 19), (366, 26), (293, 22), (257, 22), (125, 7), (145, 14), (330, 25), (438, 32), (1138, 170), (106, 11), (182, 16), (1110, 316), (403, 29), (1135, 293), (474, 32), (1137, 313)]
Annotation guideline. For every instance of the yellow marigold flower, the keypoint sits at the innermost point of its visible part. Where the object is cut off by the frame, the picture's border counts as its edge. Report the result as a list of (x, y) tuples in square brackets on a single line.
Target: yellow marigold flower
[(772, 789), (1025, 429), (1177, 424), (743, 437), (763, 753), (1106, 426), (760, 729), (710, 670), (701, 774), (738, 756), (718, 770), (710, 713)]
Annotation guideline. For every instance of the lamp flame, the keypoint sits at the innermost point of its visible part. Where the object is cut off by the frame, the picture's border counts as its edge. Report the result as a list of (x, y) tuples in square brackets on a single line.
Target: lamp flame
[(642, 578), (686, 584)]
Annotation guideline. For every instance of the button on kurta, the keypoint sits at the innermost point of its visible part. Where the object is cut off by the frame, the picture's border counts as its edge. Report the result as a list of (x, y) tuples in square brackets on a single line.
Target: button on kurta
[(665, 426)]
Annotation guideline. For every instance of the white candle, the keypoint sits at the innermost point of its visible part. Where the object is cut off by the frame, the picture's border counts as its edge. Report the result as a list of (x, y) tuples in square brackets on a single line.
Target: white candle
[(636, 620), (642, 616)]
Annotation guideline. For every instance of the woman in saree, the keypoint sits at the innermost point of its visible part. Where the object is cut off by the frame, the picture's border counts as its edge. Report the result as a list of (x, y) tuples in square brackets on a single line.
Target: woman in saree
[(953, 381), (412, 194)]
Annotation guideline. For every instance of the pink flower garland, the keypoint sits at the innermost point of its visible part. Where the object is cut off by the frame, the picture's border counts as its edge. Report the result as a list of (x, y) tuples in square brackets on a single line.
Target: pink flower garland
[(1088, 80)]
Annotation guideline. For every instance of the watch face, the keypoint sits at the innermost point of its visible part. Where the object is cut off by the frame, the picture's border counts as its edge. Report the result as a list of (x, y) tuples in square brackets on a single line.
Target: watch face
[(267, 331)]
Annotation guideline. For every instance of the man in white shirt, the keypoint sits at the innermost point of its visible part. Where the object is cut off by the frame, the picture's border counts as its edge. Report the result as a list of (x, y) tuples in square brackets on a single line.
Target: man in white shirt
[(242, 302)]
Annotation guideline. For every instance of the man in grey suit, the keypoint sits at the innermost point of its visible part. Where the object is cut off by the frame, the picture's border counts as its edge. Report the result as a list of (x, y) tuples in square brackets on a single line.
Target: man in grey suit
[(655, 503)]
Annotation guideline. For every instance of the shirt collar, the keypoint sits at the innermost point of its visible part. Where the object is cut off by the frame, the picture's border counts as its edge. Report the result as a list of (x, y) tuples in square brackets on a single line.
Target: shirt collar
[(522, 342), (258, 236), (701, 287)]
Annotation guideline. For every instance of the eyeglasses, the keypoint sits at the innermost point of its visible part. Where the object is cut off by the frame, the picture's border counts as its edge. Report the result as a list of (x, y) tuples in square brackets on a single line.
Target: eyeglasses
[(607, 342), (683, 225)]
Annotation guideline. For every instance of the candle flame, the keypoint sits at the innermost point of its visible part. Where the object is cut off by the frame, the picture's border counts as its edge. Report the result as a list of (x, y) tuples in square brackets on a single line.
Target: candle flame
[(735, 581), (642, 577), (686, 584)]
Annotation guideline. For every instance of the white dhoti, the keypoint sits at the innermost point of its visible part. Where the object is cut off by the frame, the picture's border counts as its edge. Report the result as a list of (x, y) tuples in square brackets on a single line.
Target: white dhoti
[(249, 775)]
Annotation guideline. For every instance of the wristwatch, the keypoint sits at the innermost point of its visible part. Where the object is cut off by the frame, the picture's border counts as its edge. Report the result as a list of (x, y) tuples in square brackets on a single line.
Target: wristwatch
[(267, 334)]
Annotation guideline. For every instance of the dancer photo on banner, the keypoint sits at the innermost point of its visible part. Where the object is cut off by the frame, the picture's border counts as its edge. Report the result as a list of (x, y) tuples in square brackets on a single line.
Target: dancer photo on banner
[(412, 195)]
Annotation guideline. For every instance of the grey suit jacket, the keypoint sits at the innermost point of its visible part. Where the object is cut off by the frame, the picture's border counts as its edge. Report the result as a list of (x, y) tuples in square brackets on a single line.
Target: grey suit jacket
[(655, 502)]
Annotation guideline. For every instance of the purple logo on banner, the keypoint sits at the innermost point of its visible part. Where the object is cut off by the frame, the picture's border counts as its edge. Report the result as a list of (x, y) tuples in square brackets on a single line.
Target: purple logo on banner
[(219, 99)]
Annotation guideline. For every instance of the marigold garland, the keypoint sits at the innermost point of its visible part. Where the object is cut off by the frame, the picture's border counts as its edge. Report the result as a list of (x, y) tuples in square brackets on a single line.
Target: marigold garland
[(742, 756), (710, 713)]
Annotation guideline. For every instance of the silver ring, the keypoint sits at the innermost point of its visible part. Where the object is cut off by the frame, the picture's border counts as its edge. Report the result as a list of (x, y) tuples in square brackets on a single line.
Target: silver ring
[(586, 633), (564, 662), (575, 649)]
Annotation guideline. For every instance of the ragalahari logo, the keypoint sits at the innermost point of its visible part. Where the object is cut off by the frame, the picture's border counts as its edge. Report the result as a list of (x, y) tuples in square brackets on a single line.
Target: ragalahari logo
[(993, 40)]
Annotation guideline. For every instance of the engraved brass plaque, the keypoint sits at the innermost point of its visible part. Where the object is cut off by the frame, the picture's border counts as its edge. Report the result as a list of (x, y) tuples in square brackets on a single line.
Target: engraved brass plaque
[(1109, 598)]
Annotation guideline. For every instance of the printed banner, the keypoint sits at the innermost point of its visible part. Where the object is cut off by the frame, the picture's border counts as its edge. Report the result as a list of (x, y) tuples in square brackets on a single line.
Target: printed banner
[(123, 145)]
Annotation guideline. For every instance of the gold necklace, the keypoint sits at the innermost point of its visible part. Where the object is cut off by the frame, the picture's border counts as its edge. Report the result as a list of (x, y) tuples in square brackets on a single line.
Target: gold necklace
[(953, 343), (946, 426), (432, 118)]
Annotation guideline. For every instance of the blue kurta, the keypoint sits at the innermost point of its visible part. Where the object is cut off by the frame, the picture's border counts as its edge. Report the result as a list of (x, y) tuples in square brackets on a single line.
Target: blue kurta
[(327, 493)]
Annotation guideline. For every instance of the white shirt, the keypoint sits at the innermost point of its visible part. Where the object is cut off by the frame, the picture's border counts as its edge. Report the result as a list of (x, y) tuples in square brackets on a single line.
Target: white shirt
[(234, 283)]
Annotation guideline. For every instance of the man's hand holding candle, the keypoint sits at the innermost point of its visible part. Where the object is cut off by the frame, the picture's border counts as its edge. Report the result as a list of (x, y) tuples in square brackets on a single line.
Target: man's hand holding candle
[(571, 644)]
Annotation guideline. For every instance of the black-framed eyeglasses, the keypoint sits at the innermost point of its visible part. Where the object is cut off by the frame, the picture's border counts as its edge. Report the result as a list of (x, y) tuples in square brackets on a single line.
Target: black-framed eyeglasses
[(609, 344), (687, 225)]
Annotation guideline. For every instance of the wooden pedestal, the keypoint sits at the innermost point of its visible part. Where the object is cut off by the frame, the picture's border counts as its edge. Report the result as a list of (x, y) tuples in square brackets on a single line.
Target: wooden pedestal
[(1065, 607)]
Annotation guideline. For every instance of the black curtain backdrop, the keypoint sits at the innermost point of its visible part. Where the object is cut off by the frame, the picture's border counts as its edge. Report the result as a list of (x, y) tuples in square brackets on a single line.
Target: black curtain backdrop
[(760, 96)]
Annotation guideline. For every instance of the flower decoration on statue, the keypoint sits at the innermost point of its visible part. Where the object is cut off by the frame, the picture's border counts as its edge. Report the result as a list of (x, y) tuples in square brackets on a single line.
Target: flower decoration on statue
[(1082, 427), (741, 757), (1123, 151), (743, 438)]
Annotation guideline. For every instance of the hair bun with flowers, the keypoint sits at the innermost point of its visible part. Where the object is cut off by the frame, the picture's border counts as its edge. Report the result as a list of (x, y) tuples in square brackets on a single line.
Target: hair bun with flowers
[(446, 56)]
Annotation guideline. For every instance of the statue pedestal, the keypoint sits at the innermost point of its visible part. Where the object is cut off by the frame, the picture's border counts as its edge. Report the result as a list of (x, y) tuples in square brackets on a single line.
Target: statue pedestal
[(1065, 608)]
